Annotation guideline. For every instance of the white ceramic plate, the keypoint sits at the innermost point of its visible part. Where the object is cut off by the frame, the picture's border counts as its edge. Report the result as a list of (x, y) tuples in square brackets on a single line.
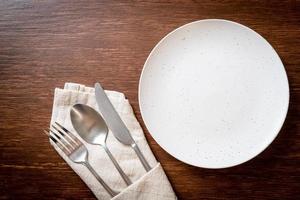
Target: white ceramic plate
[(213, 93)]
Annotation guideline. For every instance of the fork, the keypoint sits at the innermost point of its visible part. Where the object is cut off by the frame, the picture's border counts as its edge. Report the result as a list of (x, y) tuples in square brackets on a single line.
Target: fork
[(75, 150)]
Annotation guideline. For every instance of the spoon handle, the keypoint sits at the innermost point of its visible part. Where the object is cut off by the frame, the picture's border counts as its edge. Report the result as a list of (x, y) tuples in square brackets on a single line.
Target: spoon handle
[(106, 187), (116, 164)]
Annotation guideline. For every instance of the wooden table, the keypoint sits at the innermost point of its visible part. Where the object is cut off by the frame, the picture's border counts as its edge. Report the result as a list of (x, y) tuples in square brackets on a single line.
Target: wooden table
[(44, 44)]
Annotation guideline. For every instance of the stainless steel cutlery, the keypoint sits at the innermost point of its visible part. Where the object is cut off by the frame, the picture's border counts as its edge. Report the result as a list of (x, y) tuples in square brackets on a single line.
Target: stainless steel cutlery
[(75, 150), (91, 127), (115, 123)]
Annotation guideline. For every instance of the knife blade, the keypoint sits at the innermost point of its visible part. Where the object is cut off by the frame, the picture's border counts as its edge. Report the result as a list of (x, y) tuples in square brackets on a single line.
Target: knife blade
[(115, 123)]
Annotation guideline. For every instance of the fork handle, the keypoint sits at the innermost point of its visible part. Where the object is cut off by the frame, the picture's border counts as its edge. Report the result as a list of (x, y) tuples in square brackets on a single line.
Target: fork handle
[(106, 187)]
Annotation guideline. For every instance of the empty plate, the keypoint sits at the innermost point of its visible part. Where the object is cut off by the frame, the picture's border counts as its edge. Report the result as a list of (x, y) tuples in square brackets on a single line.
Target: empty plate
[(213, 93)]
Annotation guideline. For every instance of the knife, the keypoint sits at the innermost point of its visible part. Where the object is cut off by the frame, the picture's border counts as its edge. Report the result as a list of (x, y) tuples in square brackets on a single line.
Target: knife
[(115, 123)]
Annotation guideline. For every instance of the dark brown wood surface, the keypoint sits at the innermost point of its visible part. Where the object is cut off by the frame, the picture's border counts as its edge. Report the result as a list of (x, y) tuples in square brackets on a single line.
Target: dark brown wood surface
[(44, 44)]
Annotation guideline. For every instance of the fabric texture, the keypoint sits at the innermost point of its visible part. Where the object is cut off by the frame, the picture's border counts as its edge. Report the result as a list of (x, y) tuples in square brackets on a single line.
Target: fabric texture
[(152, 185)]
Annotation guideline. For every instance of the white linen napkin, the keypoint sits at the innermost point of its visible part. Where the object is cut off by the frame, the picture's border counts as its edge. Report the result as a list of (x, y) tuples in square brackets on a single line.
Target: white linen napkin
[(152, 185)]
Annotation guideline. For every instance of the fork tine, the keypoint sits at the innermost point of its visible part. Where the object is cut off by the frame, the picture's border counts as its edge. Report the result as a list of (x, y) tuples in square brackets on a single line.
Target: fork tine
[(65, 136), (57, 142), (69, 134), (46, 132), (60, 144), (62, 139)]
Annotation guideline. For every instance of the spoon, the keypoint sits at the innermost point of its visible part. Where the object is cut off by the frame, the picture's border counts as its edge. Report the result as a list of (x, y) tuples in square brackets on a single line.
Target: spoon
[(91, 127)]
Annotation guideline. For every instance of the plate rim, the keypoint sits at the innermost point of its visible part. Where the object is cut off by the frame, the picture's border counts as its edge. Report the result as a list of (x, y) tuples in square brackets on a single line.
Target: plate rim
[(244, 27)]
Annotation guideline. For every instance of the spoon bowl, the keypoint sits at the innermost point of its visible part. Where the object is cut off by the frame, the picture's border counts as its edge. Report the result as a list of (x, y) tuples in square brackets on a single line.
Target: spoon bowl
[(90, 125)]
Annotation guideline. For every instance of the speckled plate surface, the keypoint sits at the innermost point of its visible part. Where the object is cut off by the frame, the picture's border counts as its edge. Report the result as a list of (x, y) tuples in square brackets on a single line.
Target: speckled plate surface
[(213, 93)]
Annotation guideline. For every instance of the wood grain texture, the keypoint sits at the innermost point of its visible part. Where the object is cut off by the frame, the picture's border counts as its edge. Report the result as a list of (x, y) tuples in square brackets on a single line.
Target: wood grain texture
[(46, 43)]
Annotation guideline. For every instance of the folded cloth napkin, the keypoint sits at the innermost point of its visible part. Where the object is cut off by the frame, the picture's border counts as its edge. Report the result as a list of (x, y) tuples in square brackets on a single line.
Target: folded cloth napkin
[(146, 185)]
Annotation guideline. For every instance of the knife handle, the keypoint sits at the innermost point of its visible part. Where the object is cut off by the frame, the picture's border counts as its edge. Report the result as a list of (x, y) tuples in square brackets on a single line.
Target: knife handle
[(141, 157)]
